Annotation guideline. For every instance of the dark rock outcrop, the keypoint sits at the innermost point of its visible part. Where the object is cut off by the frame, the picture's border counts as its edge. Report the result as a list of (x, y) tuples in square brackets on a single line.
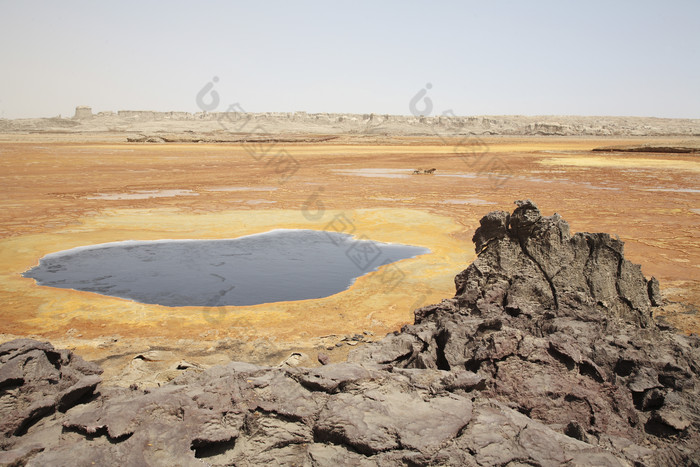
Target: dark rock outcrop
[(548, 355), (560, 328), (686, 149)]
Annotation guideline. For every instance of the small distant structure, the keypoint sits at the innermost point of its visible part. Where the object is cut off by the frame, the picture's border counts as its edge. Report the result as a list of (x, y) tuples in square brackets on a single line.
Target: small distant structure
[(83, 112)]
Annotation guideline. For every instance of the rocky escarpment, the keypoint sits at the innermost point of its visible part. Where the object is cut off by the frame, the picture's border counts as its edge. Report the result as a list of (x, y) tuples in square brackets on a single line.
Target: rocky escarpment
[(549, 354), (560, 328), (234, 124)]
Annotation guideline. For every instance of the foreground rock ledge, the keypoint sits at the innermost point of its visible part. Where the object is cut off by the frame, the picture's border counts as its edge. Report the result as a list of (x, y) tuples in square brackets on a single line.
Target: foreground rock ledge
[(548, 355)]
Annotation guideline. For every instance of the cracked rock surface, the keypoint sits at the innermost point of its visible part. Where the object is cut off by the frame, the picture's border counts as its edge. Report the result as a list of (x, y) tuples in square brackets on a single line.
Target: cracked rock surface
[(549, 354)]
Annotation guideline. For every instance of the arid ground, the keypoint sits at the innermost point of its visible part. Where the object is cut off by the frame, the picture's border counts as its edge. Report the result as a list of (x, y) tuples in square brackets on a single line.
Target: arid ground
[(59, 194)]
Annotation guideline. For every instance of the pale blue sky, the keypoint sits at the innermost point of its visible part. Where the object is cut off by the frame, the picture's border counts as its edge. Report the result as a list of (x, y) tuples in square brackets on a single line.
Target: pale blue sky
[(561, 57)]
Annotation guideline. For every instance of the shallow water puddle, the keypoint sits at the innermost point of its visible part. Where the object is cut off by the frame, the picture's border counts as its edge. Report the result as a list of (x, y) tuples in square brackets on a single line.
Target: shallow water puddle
[(280, 265), (143, 194), (376, 173), (475, 201), (675, 190), (242, 188), (260, 201)]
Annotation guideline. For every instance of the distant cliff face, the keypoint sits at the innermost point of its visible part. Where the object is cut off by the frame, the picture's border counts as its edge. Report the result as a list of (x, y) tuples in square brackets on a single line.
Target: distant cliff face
[(360, 124), (549, 354)]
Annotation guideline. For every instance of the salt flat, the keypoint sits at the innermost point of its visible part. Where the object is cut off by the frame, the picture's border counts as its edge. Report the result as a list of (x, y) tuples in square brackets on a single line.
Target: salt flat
[(58, 193)]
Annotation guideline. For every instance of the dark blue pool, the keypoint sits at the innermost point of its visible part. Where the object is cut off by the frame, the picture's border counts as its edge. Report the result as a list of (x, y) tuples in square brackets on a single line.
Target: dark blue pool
[(281, 265)]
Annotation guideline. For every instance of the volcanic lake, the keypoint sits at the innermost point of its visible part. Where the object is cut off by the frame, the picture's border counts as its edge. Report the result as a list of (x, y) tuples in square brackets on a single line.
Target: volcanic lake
[(279, 265)]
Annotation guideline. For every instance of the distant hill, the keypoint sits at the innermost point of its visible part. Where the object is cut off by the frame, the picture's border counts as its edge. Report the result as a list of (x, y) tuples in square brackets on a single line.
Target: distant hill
[(238, 123)]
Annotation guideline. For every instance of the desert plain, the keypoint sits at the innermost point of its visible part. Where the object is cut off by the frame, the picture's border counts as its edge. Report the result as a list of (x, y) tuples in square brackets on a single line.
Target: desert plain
[(63, 190)]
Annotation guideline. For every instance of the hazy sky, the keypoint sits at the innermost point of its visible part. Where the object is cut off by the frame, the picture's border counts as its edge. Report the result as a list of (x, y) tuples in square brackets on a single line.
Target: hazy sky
[(489, 57)]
